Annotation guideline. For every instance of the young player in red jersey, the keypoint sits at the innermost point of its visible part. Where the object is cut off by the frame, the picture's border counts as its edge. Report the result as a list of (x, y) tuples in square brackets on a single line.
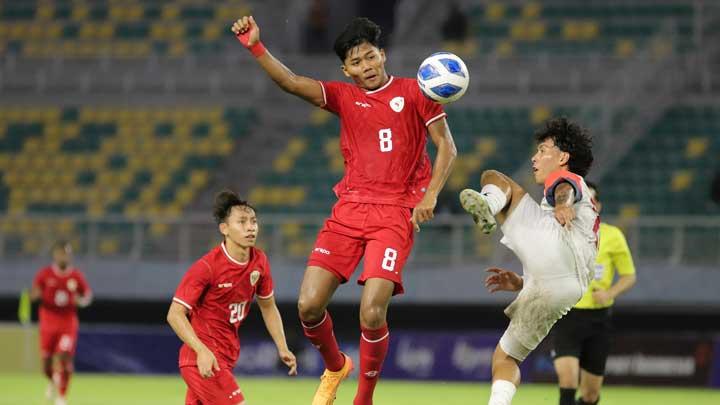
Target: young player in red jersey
[(61, 289), (214, 298), (388, 189)]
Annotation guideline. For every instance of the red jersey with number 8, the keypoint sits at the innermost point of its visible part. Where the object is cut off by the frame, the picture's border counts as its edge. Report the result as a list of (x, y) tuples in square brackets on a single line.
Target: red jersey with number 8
[(218, 291), (382, 139)]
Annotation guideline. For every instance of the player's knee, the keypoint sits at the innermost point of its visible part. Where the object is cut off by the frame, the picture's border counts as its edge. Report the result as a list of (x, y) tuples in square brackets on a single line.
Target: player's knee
[(489, 176), (567, 379), (48, 365), (310, 311), (373, 316)]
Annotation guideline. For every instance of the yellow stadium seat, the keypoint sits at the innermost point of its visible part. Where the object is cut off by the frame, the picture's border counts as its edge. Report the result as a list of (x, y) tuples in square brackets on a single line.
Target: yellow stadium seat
[(31, 245), (158, 229), (318, 116), (80, 12), (291, 229), (299, 248), (681, 180), (696, 147), (539, 114), (212, 31), (531, 10), (505, 48), (624, 48), (485, 146), (108, 246), (170, 11), (629, 211), (494, 11)]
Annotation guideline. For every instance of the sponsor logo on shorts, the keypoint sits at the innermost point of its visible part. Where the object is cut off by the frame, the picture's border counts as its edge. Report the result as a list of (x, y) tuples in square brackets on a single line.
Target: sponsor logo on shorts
[(224, 285), (234, 393), (321, 250)]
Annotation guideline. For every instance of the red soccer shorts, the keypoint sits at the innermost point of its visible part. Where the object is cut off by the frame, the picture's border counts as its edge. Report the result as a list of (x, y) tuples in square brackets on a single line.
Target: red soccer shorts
[(382, 233), (58, 340), (220, 389)]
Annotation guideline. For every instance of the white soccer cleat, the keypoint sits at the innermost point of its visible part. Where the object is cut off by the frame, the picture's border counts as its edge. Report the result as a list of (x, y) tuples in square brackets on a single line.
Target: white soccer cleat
[(60, 400), (474, 203)]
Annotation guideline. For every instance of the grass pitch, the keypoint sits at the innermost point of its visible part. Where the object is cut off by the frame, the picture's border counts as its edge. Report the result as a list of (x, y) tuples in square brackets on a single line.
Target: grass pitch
[(104, 389)]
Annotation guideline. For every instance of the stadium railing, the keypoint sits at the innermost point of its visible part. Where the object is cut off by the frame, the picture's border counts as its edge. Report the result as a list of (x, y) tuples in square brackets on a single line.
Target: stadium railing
[(447, 239)]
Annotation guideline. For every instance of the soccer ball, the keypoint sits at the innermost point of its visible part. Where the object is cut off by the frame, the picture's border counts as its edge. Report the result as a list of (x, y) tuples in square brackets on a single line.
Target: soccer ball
[(443, 77)]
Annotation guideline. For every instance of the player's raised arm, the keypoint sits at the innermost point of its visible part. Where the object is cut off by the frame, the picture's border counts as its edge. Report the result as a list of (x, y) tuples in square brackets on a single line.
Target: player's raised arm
[(248, 33), (446, 153), (273, 323)]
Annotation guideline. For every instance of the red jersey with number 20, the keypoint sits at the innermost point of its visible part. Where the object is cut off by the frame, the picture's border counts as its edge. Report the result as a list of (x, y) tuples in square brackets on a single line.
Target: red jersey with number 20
[(218, 291), (382, 140)]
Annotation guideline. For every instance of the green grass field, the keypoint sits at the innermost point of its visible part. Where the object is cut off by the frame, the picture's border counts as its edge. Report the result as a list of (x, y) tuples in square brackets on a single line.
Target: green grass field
[(96, 389)]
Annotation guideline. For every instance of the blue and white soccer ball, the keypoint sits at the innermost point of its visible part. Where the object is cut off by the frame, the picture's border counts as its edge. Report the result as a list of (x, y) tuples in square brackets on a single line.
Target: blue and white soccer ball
[(443, 77)]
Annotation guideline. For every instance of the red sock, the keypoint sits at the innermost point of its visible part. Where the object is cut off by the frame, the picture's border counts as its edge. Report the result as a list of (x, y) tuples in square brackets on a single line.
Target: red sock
[(323, 338), (48, 367), (373, 348), (66, 371)]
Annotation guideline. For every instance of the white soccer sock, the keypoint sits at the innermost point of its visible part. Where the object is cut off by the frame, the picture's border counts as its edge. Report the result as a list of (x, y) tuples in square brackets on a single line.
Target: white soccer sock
[(495, 198), (502, 392)]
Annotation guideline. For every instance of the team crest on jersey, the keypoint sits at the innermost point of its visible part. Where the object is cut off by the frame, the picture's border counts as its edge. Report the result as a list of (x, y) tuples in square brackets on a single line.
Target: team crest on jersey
[(397, 104), (72, 284), (254, 277)]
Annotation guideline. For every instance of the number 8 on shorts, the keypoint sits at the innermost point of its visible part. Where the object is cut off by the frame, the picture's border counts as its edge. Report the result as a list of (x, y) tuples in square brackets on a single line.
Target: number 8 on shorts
[(389, 259)]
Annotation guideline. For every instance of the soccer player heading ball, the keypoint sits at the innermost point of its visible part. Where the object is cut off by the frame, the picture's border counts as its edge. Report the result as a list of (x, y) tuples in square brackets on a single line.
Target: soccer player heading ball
[(556, 242), (387, 190), (61, 289), (214, 298)]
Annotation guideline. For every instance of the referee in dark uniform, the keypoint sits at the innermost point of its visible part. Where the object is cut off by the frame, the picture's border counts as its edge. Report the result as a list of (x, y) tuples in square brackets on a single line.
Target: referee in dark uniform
[(582, 338)]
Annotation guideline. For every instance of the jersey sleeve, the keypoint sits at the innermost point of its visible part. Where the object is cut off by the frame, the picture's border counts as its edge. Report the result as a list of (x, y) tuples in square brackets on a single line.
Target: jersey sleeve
[(193, 284), (428, 110), (620, 254), (333, 94), (39, 280), (266, 284), (83, 286), (562, 176)]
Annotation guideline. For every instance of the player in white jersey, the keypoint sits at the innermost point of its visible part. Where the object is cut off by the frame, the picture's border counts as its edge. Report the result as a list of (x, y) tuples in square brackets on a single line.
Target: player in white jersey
[(556, 242)]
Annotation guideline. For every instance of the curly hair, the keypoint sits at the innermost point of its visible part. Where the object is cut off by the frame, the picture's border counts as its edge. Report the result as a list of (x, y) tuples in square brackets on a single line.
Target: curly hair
[(360, 30), (569, 137), (224, 202)]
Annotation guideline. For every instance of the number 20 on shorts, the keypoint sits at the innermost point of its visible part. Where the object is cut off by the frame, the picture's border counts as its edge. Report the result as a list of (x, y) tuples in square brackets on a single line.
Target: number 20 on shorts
[(389, 259)]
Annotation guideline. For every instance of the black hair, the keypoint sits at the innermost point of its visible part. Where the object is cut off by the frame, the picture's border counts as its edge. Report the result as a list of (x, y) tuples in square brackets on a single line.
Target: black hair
[(594, 186), (224, 202), (569, 137), (61, 244), (359, 30)]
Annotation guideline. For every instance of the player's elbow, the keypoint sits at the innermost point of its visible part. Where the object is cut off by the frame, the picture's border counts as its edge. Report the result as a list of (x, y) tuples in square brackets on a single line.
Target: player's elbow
[(172, 315)]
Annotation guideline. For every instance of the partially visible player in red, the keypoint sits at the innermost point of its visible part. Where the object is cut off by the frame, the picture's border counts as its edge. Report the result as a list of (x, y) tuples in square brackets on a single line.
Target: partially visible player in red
[(61, 289), (388, 189), (213, 299)]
